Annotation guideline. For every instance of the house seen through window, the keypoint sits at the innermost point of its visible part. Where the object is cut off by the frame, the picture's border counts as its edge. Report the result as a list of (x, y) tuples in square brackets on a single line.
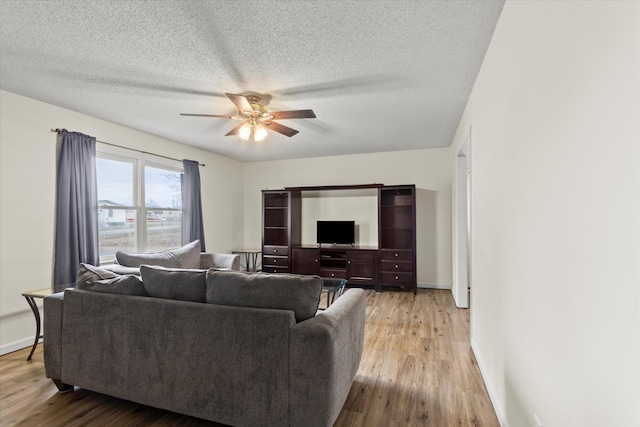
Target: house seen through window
[(139, 205)]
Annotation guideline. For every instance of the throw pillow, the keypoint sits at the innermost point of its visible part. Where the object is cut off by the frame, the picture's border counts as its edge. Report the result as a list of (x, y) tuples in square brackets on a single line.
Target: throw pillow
[(188, 256), (88, 273), (174, 283), (298, 293), (97, 279)]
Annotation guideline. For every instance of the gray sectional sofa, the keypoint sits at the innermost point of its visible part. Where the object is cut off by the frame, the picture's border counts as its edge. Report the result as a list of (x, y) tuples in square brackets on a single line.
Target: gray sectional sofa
[(236, 348)]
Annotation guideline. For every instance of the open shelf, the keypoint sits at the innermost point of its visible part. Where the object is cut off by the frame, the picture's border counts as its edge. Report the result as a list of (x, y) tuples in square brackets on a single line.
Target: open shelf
[(334, 259)]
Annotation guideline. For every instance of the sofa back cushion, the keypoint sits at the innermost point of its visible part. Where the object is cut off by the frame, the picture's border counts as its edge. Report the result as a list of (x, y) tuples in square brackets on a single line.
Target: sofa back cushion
[(298, 293), (187, 256), (174, 283), (98, 279)]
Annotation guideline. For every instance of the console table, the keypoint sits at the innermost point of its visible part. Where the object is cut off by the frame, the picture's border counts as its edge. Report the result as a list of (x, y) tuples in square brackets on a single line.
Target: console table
[(30, 297), (250, 257)]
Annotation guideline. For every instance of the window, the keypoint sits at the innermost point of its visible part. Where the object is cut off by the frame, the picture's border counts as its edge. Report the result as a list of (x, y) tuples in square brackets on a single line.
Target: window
[(163, 203), (139, 204)]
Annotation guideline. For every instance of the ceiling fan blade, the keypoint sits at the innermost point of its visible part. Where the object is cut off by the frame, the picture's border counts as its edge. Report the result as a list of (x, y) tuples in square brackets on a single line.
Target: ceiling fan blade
[(235, 130), (208, 115), (296, 114), (241, 102), (277, 127)]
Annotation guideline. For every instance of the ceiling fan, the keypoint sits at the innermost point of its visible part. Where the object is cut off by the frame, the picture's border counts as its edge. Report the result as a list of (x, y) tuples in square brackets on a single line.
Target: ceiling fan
[(256, 119)]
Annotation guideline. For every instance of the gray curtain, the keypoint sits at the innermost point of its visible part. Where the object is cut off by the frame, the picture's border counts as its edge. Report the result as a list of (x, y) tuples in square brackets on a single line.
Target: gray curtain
[(76, 237), (192, 224)]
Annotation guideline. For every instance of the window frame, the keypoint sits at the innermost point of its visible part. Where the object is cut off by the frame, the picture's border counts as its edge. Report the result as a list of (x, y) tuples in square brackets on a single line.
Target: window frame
[(139, 161)]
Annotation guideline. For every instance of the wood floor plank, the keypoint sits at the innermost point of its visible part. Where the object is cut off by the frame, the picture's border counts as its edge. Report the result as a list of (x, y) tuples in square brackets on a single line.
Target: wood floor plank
[(417, 370)]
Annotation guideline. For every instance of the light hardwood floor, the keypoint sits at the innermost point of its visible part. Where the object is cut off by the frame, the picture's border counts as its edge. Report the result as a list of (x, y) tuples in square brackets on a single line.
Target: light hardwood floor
[(417, 370)]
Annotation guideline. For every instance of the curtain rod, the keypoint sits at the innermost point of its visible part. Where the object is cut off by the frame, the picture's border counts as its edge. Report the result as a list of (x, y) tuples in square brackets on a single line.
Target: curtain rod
[(132, 149)]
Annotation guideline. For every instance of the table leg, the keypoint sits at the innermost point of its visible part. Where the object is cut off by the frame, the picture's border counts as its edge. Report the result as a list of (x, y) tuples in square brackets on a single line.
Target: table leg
[(255, 261), (36, 312)]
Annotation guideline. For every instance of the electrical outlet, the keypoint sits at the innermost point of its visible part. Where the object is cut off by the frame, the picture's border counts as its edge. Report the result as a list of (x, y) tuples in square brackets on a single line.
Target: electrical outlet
[(538, 422)]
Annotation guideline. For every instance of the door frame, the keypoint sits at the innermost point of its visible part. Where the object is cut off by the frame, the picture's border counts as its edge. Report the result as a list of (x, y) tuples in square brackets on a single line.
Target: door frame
[(461, 285)]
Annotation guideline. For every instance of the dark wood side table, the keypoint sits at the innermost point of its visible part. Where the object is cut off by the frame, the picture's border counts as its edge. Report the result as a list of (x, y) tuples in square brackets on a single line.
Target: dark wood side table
[(250, 257), (30, 296)]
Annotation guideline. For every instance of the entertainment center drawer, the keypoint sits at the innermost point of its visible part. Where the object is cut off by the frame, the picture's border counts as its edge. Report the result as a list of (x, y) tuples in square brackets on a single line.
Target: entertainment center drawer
[(389, 278), (393, 266), (275, 250), (278, 261), (331, 272), (275, 269), (396, 254)]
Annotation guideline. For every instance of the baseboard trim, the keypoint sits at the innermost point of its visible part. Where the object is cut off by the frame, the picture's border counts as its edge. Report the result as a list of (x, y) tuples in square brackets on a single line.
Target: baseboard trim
[(498, 409), (16, 345), (434, 285)]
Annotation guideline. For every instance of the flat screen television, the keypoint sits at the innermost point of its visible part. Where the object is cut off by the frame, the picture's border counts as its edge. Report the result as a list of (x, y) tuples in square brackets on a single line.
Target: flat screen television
[(336, 232)]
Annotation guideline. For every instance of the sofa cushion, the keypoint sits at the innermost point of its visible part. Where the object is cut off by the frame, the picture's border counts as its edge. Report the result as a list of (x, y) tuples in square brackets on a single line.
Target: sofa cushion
[(101, 280), (187, 256), (174, 283), (298, 293), (121, 269)]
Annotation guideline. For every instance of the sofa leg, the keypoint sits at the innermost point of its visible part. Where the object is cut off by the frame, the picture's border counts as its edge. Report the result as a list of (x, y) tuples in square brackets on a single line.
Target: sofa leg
[(62, 387)]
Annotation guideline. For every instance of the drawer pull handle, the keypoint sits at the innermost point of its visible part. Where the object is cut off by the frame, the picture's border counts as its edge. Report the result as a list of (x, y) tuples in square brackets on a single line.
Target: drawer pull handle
[(396, 254), (396, 277), (396, 265)]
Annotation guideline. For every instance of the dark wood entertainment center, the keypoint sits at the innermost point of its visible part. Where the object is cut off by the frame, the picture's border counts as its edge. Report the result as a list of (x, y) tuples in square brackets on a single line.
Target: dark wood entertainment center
[(390, 265)]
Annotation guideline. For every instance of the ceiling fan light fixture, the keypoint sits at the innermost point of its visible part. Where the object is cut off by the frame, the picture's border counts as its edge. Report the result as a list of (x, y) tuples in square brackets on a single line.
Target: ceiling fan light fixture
[(259, 133), (245, 131)]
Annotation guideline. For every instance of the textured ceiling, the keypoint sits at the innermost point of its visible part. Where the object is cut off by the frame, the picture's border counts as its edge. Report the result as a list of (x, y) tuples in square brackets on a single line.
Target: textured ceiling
[(380, 75)]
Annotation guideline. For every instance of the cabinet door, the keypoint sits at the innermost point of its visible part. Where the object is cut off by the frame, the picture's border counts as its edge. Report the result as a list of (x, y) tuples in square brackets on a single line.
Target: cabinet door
[(362, 266), (305, 261)]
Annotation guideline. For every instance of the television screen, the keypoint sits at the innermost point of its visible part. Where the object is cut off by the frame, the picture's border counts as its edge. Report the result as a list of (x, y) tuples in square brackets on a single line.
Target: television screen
[(336, 232)]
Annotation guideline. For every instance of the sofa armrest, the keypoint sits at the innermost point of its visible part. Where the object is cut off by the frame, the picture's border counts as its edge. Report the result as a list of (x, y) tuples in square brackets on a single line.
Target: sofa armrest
[(52, 332), (324, 357), (220, 261)]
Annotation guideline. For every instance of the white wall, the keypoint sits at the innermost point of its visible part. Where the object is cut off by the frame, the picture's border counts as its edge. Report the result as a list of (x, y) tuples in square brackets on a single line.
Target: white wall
[(360, 206), (556, 214), (27, 191), (428, 169)]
